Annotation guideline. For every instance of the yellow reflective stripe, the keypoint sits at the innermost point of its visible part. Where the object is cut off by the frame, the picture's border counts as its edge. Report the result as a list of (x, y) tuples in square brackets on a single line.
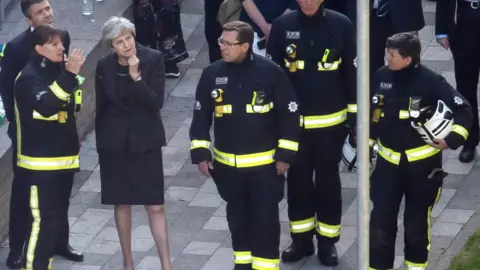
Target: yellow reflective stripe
[(322, 121), (460, 130), (415, 266), (388, 154), (265, 264), (48, 164), (421, 152), (329, 66), (299, 64), (402, 114), (352, 108), (328, 230), (429, 224), (259, 108), (371, 142), (38, 116), (221, 109), (59, 92), (194, 144), (244, 161), (289, 145), (302, 226), (50, 264), (242, 257), (32, 241)]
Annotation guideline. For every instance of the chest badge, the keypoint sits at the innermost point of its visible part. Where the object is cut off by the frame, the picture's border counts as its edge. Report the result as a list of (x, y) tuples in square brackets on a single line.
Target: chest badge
[(293, 34), (217, 95)]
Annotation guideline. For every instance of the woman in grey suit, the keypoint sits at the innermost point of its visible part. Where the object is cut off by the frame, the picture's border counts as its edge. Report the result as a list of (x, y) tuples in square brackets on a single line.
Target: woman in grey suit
[(130, 86)]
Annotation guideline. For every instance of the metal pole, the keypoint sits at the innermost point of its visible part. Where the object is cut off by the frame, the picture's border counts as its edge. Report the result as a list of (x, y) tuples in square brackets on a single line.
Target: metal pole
[(363, 131)]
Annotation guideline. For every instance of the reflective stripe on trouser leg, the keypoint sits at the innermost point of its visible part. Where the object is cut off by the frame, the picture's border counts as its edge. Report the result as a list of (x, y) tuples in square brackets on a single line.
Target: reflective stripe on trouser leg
[(265, 264), (415, 266), (242, 257), (302, 226), (35, 230), (327, 230)]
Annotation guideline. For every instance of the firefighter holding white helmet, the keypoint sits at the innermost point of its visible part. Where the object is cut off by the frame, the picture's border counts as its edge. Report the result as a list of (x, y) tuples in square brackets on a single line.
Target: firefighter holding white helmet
[(416, 114)]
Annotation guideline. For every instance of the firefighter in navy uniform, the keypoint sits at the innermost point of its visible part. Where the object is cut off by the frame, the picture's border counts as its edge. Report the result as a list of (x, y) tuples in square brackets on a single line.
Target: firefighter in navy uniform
[(411, 100), (316, 47), (457, 28), (46, 100), (16, 56), (256, 127)]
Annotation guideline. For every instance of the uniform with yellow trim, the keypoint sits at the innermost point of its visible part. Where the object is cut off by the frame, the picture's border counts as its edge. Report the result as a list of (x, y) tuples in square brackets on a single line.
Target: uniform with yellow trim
[(318, 53), (406, 164), (256, 123), (47, 151)]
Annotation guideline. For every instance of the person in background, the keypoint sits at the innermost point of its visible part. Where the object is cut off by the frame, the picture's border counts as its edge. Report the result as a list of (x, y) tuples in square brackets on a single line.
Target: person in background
[(16, 56), (47, 144), (458, 28), (160, 25), (130, 88), (388, 17), (213, 29), (260, 14)]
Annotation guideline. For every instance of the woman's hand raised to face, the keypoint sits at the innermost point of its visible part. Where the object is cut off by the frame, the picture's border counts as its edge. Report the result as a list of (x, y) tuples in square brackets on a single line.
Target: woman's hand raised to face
[(133, 67), (75, 62)]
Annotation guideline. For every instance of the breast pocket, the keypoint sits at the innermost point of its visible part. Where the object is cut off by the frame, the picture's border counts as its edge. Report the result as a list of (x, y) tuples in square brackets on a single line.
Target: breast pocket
[(261, 103), (330, 61)]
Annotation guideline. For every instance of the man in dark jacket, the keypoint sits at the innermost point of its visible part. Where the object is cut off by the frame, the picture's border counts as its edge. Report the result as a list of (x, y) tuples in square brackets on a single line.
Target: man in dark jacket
[(462, 35), (16, 56), (388, 17), (256, 127)]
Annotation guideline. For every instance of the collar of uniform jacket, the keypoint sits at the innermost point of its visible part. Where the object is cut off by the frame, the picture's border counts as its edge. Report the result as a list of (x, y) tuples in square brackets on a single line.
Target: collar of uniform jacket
[(319, 16), (44, 63), (245, 63)]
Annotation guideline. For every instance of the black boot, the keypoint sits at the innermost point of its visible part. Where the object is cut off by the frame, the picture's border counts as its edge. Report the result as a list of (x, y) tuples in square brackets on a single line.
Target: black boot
[(14, 261), (299, 249), (69, 253), (467, 154), (327, 254)]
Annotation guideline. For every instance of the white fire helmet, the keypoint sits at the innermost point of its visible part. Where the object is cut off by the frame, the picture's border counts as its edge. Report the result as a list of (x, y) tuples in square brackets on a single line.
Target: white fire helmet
[(349, 155), (437, 125)]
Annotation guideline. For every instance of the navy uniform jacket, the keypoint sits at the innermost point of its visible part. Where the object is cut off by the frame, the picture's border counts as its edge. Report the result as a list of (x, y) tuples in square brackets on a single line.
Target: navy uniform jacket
[(17, 54)]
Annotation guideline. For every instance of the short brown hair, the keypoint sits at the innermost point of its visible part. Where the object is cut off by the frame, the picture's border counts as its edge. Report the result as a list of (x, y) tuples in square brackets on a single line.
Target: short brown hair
[(408, 45), (43, 34), (243, 29)]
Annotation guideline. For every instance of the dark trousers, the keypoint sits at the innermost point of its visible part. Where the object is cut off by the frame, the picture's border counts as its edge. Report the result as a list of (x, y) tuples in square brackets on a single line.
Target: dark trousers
[(49, 204), (315, 204), (380, 30), (19, 222), (252, 213), (466, 54), (213, 29), (19, 208), (389, 183)]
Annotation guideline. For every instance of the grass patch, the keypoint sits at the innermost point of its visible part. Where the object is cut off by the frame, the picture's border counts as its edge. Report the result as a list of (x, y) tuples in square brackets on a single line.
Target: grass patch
[(469, 257)]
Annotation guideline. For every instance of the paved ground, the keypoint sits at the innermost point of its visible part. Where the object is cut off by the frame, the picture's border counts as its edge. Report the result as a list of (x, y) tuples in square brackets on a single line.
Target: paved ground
[(196, 214)]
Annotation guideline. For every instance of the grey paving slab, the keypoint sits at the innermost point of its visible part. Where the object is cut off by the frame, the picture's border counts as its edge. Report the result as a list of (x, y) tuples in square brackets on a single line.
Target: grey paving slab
[(198, 229)]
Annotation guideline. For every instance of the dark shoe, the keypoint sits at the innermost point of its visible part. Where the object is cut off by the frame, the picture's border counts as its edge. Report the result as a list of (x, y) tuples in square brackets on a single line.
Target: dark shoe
[(297, 251), (14, 261), (172, 71), (70, 254), (466, 155), (327, 254)]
